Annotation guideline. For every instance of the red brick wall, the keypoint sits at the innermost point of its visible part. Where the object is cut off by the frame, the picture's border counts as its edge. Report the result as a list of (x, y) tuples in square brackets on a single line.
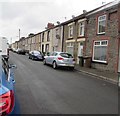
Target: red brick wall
[(111, 34)]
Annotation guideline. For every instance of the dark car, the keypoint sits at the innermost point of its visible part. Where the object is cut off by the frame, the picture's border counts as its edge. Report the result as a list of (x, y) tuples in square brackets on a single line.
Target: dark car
[(36, 55), (21, 51), (7, 93)]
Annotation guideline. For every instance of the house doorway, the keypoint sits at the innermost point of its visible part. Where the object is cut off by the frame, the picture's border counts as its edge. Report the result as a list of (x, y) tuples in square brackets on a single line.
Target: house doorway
[(80, 51), (42, 48), (119, 59)]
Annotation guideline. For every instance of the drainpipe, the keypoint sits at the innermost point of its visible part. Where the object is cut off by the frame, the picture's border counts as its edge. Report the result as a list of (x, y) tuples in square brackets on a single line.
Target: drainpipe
[(75, 37), (63, 39)]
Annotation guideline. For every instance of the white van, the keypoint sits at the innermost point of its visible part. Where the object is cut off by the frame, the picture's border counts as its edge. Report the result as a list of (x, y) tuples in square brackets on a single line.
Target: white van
[(4, 47)]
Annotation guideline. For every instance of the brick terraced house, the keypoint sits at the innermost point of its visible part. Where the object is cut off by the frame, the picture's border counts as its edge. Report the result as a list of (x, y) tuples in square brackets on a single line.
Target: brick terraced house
[(94, 34), (103, 37)]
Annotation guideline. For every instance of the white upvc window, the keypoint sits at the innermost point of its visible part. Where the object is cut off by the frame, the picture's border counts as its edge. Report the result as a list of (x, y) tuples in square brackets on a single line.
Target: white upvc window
[(47, 48), (57, 34), (70, 33), (32, 40), (57, 31), (48, 35), (101, 24), (100, 51), (43, 37), (81, 29), (70, 47)]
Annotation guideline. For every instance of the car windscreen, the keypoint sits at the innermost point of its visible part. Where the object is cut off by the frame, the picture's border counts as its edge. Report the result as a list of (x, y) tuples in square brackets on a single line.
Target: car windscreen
[(66, 55)]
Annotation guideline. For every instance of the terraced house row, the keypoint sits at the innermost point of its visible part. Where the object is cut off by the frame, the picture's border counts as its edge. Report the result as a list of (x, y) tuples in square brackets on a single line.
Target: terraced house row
[(94, 34)]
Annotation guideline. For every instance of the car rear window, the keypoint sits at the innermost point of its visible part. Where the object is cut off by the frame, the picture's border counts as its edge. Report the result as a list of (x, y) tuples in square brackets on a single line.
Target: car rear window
[(36, 52), (66, 55)]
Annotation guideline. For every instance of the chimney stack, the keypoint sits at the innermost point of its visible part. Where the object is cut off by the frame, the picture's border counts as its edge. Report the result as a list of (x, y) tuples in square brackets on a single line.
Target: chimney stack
[(50, 25)]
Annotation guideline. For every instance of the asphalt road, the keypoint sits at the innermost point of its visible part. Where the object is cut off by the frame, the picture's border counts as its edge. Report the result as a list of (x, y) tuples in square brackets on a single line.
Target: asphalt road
[(42, 90)]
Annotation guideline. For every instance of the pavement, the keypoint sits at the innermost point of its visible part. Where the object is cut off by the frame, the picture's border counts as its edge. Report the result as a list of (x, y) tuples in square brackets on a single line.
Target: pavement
[(106, 75)]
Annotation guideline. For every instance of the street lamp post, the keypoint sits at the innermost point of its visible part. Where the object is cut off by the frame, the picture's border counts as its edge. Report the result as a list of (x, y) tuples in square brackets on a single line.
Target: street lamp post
[(11, 40), (19, 34)]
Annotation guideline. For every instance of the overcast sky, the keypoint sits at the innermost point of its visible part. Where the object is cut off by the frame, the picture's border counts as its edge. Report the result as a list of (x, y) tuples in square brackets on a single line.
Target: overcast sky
[(32, 16)]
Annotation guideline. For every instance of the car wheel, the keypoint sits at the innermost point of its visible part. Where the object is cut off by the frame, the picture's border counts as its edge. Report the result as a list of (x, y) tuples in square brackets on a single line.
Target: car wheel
[(71, 68), (44, 62), (54, 65), (32, 58)]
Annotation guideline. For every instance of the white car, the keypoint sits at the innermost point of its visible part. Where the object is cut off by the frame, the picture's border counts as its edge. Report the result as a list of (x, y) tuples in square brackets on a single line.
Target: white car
[(60, 59)]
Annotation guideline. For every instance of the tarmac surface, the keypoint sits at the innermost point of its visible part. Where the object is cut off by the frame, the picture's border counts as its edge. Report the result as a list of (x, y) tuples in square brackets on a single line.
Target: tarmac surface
[(42, 90)]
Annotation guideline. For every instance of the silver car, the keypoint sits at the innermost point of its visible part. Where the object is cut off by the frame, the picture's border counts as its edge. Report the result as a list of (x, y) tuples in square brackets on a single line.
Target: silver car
[(60, 59)]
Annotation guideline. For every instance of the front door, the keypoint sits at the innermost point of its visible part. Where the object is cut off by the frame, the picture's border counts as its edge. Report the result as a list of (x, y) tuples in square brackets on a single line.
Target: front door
[(42, 48), (80, 51)]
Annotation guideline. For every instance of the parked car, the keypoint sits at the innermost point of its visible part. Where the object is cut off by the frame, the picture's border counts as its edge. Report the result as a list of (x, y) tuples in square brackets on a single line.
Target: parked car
[(27, 51), (4, 47), (13, 49), (21, 51), (36, 55), (60, 59), (7, 93)]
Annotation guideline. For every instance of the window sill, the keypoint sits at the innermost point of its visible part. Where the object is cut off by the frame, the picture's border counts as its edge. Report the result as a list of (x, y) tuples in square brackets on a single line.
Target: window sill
[(81, 36), (100, 62), (70, 38), (100, 34)]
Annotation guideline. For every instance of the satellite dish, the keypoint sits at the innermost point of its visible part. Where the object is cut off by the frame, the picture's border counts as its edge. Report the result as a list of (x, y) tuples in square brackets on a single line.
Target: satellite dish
[(103, 2), (73, 16), (58, 22)]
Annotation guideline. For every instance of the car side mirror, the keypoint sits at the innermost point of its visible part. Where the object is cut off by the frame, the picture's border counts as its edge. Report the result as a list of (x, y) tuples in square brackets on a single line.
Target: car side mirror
[(48, 54), (13, 66), (13, 81)]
